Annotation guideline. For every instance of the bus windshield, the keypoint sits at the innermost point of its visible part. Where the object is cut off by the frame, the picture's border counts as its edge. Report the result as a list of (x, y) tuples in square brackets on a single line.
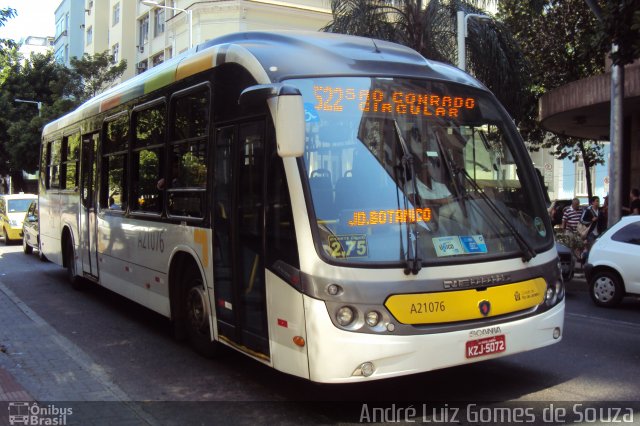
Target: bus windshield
[(413, 172)]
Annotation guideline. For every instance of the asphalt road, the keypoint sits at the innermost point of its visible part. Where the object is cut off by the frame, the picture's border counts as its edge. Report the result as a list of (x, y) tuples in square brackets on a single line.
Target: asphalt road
[(596, 361)]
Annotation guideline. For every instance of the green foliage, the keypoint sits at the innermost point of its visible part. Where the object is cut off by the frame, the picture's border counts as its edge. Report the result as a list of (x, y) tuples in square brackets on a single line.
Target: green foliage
[(93, 74), (619, 24), (59, 89), (558, 38)]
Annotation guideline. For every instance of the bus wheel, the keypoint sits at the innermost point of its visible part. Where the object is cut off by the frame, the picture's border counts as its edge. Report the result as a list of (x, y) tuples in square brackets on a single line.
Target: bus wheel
[(74, 279), (196, 315)]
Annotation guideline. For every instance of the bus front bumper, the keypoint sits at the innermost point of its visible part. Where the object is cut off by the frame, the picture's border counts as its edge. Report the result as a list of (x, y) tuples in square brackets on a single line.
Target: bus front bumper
[(336, 355)]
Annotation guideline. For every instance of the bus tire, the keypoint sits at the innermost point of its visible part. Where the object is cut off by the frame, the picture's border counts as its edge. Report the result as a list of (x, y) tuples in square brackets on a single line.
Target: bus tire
[(70, 261), (196, 314)]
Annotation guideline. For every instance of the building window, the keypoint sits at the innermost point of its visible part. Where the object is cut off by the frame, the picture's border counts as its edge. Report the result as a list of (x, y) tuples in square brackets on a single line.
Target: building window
[(115, 50), (581, 179), (116, 14), (89, 35), (159, 22), (143, 32), (61, 27), (142, 66), (157, 60)]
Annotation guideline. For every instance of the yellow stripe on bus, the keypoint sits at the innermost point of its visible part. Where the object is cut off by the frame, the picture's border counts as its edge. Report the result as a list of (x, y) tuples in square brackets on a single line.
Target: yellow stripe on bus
[(200, 238), (464, 305), (194, 65)]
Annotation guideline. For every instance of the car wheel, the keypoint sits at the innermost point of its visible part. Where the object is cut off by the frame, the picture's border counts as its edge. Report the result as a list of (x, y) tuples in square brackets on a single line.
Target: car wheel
[(6, 237), (606, 288), (26, 247), (196, 315)]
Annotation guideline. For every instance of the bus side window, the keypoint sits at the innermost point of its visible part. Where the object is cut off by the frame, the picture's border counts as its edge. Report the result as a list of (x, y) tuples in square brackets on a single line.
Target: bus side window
[(147, 165), (114, 163), (54, 164), (186, 183)]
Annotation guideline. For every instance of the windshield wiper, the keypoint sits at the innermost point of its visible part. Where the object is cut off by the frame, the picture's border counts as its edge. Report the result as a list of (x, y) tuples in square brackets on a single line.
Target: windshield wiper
[(413, 261), (528, 252)]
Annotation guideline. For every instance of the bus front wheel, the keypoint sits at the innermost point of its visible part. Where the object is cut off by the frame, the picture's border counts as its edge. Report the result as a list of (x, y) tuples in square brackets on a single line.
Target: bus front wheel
[(196, 314)]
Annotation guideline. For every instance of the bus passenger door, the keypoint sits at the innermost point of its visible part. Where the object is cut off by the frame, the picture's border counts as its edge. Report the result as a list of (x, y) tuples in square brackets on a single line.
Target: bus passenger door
[(88, 224), (238, 232)]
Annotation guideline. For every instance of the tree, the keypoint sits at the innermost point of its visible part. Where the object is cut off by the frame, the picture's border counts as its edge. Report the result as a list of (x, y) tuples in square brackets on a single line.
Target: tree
[(430, 28), (59, 89), (619, 24), (39, 79), (93, 74), (572, 53)]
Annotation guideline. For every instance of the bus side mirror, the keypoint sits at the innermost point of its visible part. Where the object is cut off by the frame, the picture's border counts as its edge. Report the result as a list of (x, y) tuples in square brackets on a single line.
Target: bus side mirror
[(289, 117)]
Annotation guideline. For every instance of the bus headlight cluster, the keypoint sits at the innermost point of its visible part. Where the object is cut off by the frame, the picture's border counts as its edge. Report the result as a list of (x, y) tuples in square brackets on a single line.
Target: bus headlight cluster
[(372, 318), (345, 316), (554, 293), (355, 318)]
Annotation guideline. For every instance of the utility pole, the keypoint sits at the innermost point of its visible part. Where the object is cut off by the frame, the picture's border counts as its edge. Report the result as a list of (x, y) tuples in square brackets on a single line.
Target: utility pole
[(615, 131)]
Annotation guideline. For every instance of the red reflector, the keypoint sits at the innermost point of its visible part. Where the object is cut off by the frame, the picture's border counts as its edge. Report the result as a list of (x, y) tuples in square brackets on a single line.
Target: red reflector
[(221, 302), (283, 323)]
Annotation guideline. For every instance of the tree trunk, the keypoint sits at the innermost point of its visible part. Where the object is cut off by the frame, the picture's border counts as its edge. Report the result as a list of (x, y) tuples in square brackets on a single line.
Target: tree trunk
[(587, 170)]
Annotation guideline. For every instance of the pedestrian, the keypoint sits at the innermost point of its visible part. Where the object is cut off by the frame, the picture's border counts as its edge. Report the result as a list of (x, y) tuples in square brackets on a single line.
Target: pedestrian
[(603, 217), (571, 216), (590, 219)]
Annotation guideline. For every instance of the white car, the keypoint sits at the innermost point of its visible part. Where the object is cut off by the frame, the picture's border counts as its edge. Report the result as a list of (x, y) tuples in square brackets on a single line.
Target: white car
[(612, 266)]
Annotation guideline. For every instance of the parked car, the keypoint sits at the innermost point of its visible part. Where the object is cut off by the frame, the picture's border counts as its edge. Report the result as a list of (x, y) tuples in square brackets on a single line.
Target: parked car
[(567, 262), (12, 210), (612, 264), (31, 230)]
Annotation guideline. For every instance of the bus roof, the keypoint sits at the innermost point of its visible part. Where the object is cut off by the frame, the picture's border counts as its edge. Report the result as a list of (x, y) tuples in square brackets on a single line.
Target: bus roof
[(275, 56)]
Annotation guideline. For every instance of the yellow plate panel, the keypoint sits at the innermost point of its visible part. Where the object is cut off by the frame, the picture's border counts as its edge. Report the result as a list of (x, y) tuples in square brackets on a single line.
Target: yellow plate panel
[(464, 305)]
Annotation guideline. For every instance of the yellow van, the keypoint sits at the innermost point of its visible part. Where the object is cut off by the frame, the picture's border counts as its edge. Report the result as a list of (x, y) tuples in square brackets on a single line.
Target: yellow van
[(12, 210)]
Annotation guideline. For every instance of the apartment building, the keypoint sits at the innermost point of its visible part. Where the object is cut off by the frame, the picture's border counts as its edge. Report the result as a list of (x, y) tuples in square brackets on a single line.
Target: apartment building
[(148, 32), (68, 39)]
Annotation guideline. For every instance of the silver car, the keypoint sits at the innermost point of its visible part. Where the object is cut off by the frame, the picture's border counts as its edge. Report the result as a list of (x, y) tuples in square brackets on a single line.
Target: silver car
[(31, 230)]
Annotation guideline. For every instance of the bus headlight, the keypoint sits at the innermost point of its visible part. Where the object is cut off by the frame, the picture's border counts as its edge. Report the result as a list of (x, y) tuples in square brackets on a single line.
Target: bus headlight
[(372, 318), (550, 296), (345, 316)]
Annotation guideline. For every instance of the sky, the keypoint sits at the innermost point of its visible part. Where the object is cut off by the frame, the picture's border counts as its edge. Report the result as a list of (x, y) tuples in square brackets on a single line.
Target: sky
[(35, 18)]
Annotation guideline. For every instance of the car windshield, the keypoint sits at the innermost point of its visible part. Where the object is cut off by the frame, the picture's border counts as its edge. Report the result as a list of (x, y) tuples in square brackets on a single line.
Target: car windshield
[(19, 206), (413, 170)]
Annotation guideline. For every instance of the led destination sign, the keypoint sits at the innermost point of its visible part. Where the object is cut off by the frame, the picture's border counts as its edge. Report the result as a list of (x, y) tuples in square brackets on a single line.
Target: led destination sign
[(399, 102), (382, 217)]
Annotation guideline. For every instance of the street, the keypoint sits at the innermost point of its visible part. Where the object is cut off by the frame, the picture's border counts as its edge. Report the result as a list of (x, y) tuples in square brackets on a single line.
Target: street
[(132, 350)]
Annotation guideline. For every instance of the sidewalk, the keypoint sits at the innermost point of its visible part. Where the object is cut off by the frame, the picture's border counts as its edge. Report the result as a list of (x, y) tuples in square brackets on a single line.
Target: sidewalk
[(40, 366)]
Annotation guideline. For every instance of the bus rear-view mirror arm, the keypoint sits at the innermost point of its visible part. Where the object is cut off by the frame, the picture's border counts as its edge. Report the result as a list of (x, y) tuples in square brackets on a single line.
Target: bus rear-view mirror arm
[(287, 107)]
